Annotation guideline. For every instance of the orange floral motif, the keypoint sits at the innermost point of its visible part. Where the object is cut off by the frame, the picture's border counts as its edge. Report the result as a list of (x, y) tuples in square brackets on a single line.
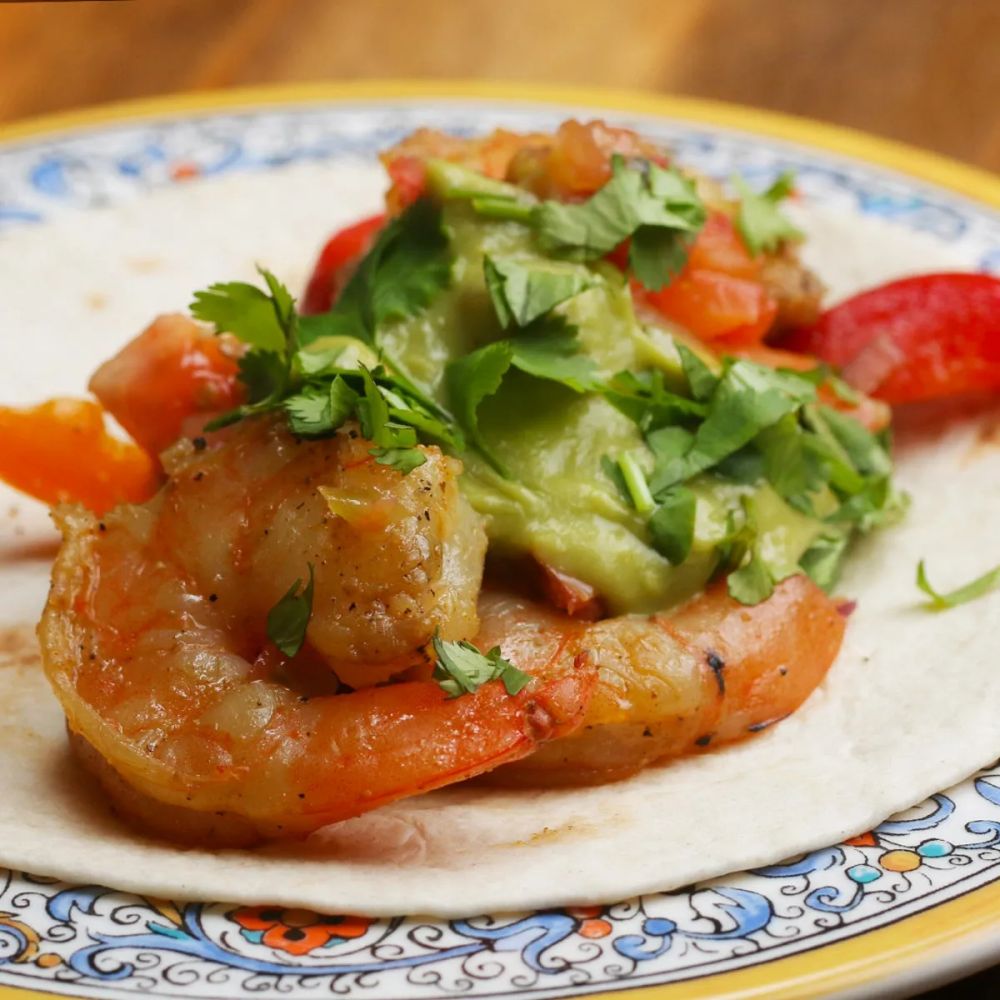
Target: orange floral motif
[(591, 924), (294, 931)]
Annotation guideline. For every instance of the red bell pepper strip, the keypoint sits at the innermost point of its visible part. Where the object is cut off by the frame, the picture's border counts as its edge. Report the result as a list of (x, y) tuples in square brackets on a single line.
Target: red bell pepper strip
[(919, 338), (343, 247)]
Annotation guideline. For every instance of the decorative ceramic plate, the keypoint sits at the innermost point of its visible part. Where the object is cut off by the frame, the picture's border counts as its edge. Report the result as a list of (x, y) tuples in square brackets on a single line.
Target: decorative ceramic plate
[(913, 902)]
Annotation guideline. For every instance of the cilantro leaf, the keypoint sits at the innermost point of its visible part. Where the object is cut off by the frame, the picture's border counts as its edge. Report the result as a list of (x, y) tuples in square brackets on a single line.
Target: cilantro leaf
[(551, 351), (878, 503), (264, 320), (656, 254), (635, 483), (791, 462), (524, 290), (403, 460), (754, 563), (701, 379), (862, 447), (668, 443), (748, 398), (671, 525), (343, 401), (320, 409), (453, 181), (639, 196), (752, 582), (614, 473), (759, 219), (979, 587), (264, 374), (408, 264), (243, 310), (462, 669), (308, 412), (822, 561), (469, 380), (644, 399), (288, 619)]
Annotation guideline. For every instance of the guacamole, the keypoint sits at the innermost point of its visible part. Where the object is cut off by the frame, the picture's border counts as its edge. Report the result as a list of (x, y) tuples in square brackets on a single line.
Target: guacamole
[(554, 498)]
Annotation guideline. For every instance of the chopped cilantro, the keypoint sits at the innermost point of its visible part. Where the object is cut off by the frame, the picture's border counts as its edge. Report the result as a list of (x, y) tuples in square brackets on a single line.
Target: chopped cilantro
[(701, 378), (658, 209), (759, 219), (470, 379), (752, 582), (755, 571), (979, 587), (639, 196), (791, 462), (463, 669), (245, 311), (614, 473), (288, 619), (309, 412), (403, 460), (822, 561), (644, 399), (671, 525), (635, 482), (474, 377), (408, 264), (525, 290), (449, 181), (550, 350), (748, 398), (321, 383)]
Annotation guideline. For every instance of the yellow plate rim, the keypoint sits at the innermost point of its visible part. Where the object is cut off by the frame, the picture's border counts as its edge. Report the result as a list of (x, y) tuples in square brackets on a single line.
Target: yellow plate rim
[(959, 936)]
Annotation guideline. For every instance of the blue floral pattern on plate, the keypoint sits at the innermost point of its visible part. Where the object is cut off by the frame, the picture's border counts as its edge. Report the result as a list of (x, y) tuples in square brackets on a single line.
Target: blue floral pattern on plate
[(93, 941)]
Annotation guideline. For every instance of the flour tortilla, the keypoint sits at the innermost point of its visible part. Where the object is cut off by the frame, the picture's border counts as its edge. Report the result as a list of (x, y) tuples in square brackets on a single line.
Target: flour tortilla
[(910, 707)]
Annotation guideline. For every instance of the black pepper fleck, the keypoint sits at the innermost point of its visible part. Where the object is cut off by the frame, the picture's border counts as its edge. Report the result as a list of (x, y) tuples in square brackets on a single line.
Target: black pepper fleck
[(703, 741), (718, 665), (199, 443)]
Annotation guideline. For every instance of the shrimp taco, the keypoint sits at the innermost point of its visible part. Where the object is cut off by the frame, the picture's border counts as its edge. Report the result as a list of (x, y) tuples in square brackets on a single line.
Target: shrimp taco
[(552, 537)]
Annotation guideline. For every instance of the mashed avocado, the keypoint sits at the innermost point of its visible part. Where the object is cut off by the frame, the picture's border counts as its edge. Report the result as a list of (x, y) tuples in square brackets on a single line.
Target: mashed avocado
[(556, 501)]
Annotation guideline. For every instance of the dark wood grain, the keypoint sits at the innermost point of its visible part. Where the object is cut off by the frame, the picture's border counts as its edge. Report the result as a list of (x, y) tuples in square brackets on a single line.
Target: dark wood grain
[(924, 71)]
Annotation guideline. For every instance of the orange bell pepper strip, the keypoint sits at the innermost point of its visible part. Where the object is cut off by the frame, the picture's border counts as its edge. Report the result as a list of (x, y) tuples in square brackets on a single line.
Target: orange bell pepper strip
[(61, 451)]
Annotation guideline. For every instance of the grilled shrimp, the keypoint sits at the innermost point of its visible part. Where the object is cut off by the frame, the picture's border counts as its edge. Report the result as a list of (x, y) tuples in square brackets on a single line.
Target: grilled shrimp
[(669, 684), (154, 640)]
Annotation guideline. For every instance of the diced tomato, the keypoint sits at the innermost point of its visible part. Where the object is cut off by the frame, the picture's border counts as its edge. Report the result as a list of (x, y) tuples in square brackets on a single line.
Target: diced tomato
[(718, 247), (718, 296), (919, 338), (579, 161), (170, 372), (61, 452), (715, 306), (576, 598), (342, 248)]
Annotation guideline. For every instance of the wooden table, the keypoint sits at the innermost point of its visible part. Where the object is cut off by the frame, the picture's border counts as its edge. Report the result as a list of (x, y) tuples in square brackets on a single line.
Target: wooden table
[(923, 71)]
